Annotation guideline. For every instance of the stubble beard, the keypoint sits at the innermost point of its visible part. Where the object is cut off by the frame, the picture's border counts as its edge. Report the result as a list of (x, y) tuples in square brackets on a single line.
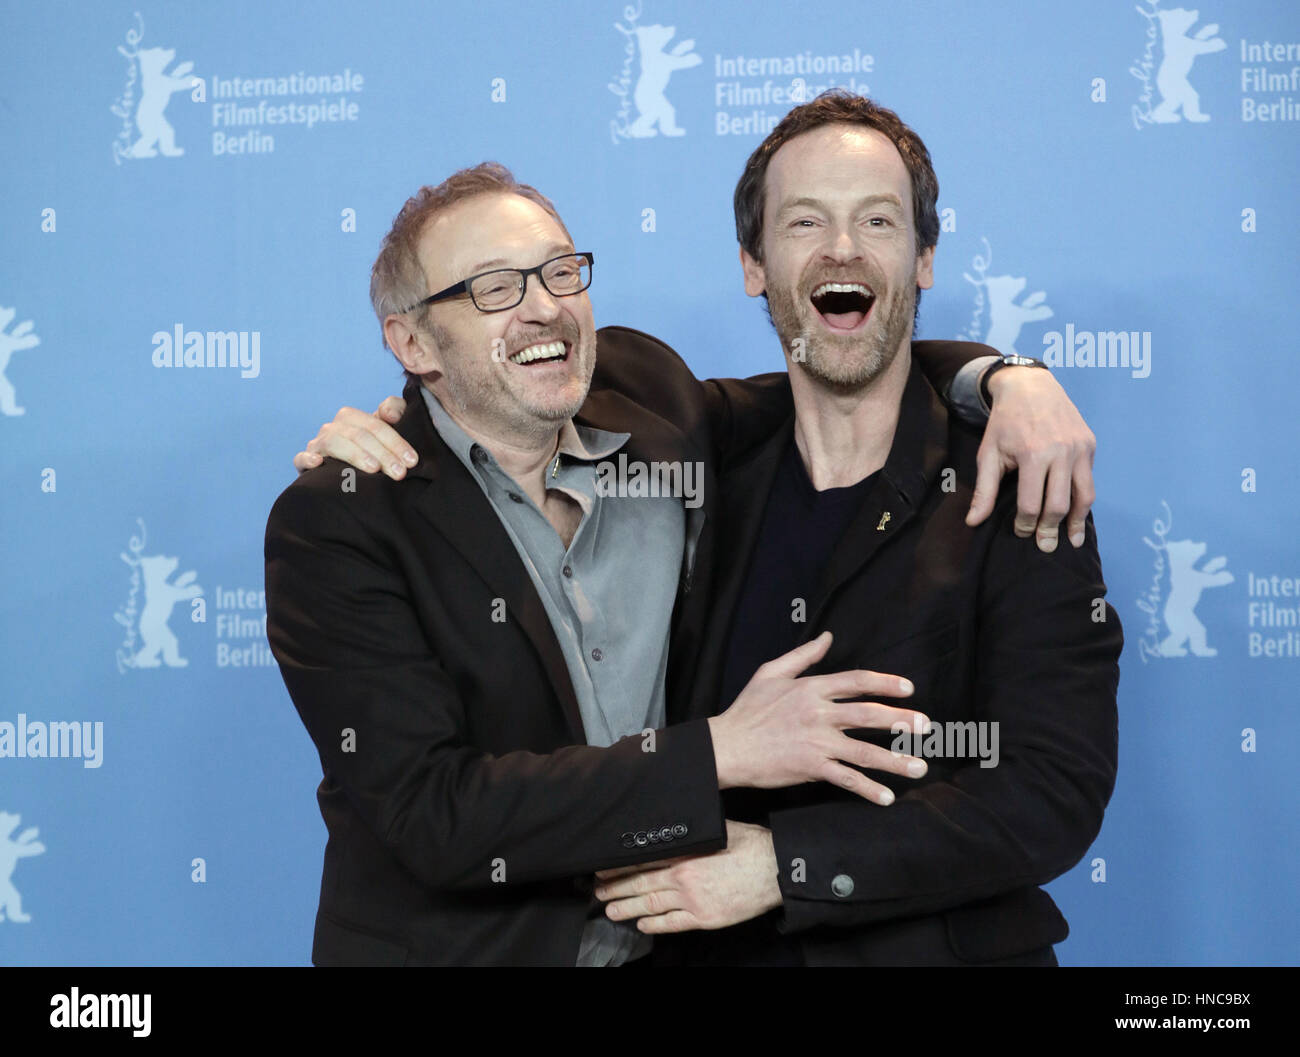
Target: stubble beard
[(844, 363), (482, 392)]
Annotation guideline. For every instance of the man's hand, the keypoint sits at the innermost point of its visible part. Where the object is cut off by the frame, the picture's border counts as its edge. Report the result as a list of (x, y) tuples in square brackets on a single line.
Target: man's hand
[(697, 891), (361, 440), (1036, 429), (783, 730)]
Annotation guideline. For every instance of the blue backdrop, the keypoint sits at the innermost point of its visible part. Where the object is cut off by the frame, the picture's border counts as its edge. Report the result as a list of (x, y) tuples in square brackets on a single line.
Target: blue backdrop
[(1117, 195)]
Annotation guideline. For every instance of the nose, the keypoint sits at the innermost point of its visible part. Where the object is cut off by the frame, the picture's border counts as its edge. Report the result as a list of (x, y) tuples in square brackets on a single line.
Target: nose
[(843, 244), (538, 304)]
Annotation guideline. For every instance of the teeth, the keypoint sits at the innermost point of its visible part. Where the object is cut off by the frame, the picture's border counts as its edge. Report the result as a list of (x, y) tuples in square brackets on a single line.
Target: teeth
[(551, 350), (842, 288)]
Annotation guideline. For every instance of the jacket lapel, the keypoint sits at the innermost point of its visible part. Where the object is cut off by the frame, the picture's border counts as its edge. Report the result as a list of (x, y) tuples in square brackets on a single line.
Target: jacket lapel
[(452, 501), (914, 461), (742, 498)]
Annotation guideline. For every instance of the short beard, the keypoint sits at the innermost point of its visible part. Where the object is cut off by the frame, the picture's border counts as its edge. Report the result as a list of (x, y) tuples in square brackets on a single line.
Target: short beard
[(845, 364), (584, 352), (475, 394)]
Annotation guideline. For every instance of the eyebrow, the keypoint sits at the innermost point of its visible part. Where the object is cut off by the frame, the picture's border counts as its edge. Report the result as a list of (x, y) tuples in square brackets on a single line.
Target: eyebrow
[(555, 249), (815, 203)]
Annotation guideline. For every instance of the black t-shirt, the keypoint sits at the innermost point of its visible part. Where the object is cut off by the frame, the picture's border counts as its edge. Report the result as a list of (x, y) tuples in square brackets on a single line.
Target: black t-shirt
[(801, 527), (800, 530)]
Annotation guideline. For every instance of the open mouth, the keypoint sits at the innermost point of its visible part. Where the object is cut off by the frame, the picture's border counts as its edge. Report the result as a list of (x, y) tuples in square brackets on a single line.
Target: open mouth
[(843, 306), (541, 353)]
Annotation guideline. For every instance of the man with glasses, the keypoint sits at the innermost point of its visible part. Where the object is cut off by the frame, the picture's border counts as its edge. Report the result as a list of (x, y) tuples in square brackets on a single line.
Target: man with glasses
[(503, 288), (480, 650)]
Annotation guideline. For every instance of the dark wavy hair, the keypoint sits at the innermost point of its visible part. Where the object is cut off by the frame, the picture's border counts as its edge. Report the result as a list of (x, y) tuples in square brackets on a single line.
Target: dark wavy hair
[(837, 106)]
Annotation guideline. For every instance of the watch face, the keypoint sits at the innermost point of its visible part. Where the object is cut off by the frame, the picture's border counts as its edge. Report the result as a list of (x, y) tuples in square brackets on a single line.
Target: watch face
[(1019, 361)]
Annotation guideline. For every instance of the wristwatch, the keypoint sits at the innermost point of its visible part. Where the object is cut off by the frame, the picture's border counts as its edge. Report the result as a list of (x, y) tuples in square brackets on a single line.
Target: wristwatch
[(1006, 361)]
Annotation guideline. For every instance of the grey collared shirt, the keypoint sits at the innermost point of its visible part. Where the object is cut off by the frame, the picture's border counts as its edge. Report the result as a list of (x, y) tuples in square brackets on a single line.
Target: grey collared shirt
[(609, 596)]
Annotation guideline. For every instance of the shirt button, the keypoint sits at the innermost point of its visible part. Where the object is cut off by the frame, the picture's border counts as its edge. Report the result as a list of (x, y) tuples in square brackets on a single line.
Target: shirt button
[(516, 497), (477, 454), (568, 571), (596, 654), (842, 885)]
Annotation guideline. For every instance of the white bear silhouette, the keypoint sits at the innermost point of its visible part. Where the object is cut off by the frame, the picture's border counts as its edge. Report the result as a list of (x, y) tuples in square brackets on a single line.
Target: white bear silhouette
[(1186, 583), (1005, 316), (10, 852), (12, 341), (155, 92), (656, 67), (1180, 52), (159, 599)]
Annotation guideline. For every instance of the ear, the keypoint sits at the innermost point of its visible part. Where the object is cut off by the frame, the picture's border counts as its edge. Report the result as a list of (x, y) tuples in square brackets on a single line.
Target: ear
[(925, 269), (416, 351), (755, 277)]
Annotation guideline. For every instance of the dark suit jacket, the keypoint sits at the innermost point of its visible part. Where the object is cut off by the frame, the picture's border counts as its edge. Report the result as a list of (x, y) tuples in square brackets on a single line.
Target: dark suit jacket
[(465, 812), (989, 629)]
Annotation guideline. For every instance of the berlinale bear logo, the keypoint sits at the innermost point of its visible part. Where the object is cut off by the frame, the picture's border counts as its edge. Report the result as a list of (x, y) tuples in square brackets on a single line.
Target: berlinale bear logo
[(1186, 582), (1006, 316), (1178, 99), (11, 341), (160, 596), (155, 130), (11, 903), (1180, 52), (145, 131), (656, 67), (1176, 572), (998, 316), (149, 641), (655, 114)]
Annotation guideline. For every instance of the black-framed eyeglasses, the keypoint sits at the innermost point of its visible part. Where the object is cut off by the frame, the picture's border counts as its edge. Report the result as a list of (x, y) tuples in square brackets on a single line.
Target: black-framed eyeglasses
[(503, 288)]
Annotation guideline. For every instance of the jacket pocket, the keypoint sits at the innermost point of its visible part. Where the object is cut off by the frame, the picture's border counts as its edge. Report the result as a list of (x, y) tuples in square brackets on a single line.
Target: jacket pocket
[(1015, 923), (337, 943)]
